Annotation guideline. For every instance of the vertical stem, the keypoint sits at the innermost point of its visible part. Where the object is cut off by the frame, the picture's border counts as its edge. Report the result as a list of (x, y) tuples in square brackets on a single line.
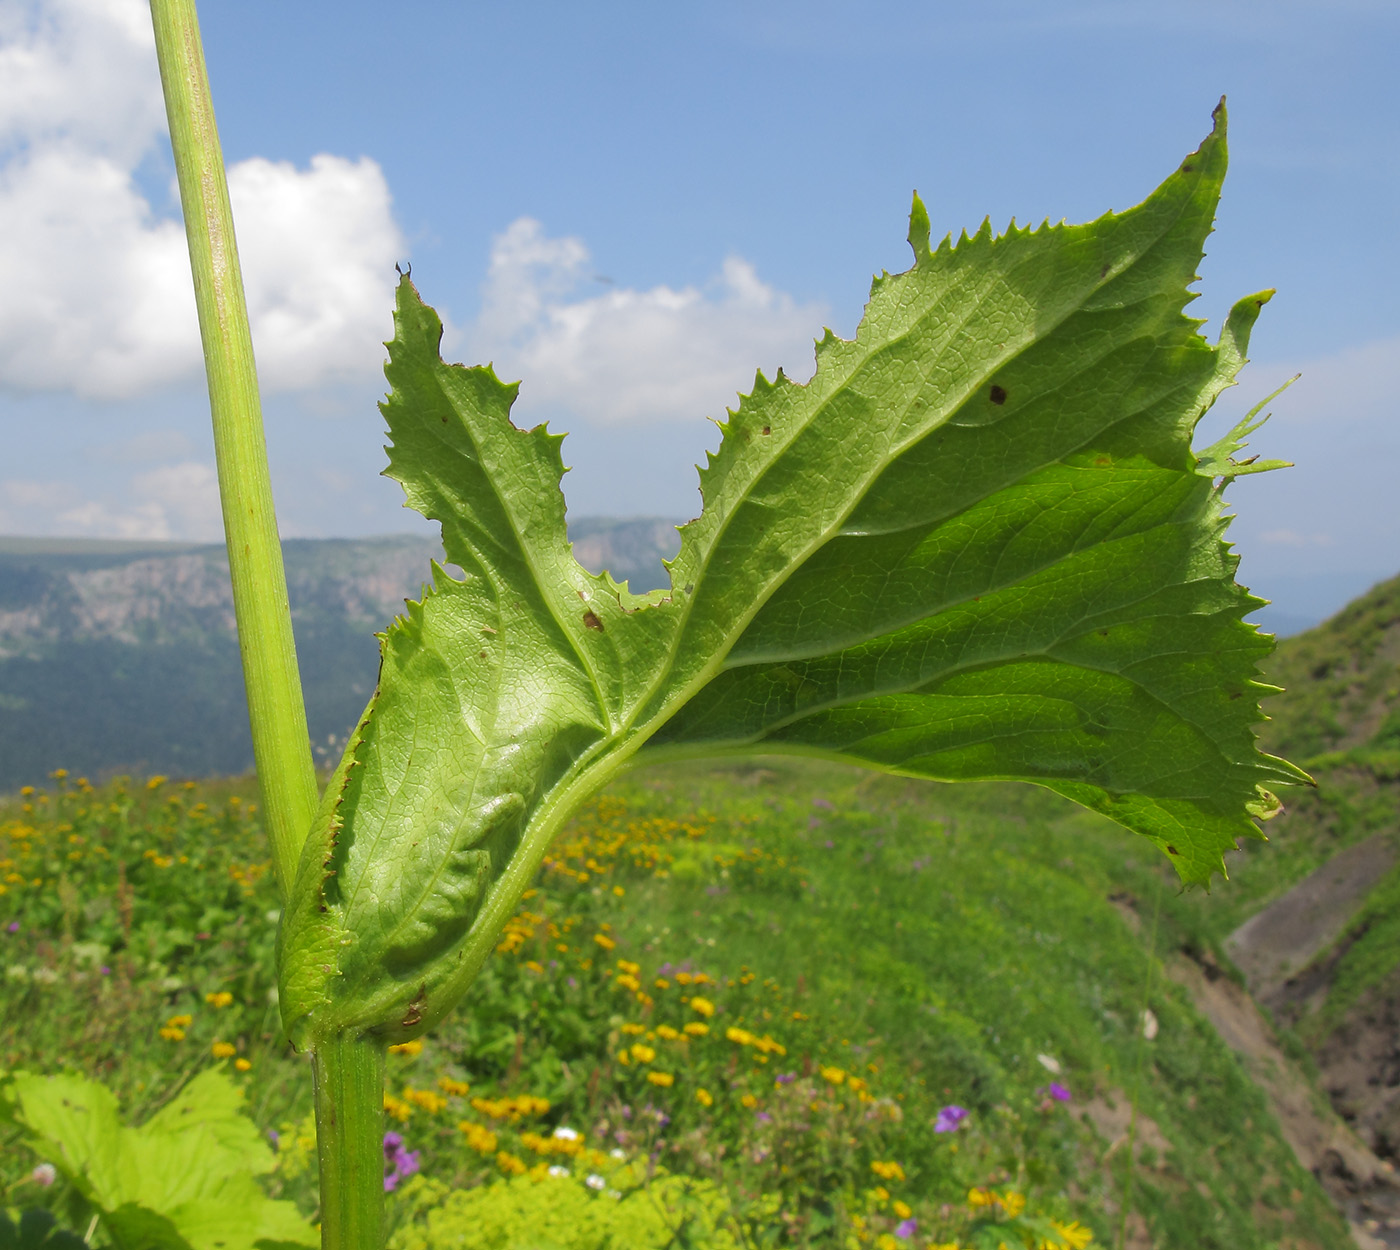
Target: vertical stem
[(281, 745), (349, 1074)]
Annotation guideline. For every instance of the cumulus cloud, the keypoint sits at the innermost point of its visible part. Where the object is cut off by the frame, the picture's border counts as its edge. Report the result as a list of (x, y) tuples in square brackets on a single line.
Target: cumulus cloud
[(101, 301), (624, 355)]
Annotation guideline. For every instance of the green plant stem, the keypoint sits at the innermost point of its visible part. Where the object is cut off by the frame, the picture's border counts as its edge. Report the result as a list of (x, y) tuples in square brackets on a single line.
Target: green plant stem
[(281, 745), (349, 1075)]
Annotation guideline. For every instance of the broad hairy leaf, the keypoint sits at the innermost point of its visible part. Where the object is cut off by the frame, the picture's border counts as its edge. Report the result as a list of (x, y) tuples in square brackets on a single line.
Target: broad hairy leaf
[(184, 1180), (977, 544)]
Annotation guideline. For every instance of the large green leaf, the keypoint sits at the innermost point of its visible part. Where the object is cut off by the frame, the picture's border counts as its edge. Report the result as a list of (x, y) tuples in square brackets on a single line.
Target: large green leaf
[(184, 1180), (977, 544)]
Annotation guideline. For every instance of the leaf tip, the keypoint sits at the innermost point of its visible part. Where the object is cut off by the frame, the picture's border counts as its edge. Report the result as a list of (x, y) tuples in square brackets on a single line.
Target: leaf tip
[(920, 230)]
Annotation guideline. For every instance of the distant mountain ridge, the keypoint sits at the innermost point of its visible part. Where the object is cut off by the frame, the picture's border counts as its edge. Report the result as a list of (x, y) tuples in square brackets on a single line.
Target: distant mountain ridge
[(122, 656)]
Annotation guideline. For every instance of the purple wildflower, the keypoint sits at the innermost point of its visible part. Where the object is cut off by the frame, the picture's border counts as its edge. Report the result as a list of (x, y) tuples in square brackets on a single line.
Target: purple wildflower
[(906, 1228), (1058, 1092), (12, 927), (398, 1162), (950, 1119), (785, 1078), (763, 1117)]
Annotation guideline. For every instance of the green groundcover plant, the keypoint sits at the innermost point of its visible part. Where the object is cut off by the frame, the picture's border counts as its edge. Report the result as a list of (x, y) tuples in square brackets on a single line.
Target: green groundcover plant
[(977, 544)]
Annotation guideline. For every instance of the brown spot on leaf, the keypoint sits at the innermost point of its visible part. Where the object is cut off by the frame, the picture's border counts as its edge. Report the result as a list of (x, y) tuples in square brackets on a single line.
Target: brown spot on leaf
[(415, 1009), (998, 394), (767, 429), (1188, 168), (591, 620), (1171, 850)]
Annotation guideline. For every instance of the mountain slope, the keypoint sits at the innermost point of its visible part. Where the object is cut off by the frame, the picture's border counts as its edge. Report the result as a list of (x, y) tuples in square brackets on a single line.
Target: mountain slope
[(122, 657)]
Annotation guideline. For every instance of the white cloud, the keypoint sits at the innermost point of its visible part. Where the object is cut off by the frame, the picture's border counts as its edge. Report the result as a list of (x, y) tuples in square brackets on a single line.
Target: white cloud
[(174, 501), (1337, 509), (1292, 538), (627, 355), (101, 302)]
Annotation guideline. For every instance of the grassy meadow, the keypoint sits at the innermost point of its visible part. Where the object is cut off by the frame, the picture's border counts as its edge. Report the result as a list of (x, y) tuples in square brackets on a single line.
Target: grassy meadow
[(774, 1005)]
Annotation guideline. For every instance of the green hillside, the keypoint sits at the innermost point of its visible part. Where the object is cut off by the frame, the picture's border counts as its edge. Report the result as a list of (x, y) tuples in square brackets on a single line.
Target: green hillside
[(772, 980)]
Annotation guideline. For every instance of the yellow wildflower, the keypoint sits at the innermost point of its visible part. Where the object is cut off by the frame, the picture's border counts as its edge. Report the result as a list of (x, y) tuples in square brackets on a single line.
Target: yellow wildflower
[(902, 1209), (1013, 1203), (889, 1171), (702, 1006), (397, 1108), (482, 1140), (664, 1079), (153, 784), (243, 1065), (179, 1022), (628, 981), (666, 1033), (509, 1164), (834, 1076), (704, 1098), (697, 1028), (741, 1037), (634, 1030), (749, 1101), (605, 941), (980, 1197), (458, 1089), (172, 1034), (220, 998), (628, 967), (642, 1053), (411, 1048), (224, 1050), (881, 1193), (430, 1102), (1074, 1233)]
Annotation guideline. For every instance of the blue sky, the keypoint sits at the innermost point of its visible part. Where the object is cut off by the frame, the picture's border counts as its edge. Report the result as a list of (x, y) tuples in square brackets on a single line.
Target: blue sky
[(631, 206)]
